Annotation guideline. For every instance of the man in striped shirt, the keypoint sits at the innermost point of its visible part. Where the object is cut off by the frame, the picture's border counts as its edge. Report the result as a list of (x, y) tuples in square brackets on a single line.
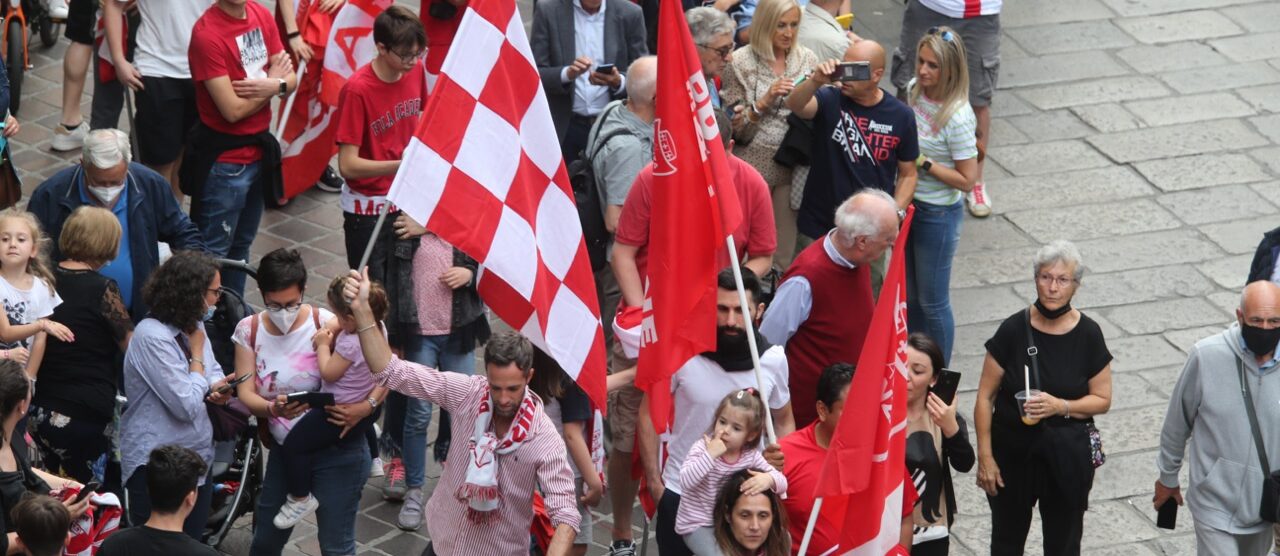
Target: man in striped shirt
[(475, 508)]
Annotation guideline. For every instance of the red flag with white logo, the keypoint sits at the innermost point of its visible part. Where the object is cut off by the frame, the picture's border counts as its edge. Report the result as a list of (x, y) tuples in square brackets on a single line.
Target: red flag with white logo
[(862, 477), (695, 206), (484, 173)]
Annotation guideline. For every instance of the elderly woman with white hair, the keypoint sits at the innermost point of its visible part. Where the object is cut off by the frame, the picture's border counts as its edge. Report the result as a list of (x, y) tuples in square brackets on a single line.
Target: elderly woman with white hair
[(712, 32), (1046, 375), (140, 199)]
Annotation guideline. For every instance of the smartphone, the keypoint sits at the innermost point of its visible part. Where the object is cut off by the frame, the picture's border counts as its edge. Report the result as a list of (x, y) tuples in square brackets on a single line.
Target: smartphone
[(604, 68), (945, 388), (313, 399), (88, 489), (1167, 517), (853, 71), (231, 384)]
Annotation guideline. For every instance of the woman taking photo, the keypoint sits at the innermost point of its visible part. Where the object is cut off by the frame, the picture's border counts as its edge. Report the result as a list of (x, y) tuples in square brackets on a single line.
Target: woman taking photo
[(72, 412), (750, 524), (759, 78), (1040, 450), (947, 167), (937, 442), (169, 373)]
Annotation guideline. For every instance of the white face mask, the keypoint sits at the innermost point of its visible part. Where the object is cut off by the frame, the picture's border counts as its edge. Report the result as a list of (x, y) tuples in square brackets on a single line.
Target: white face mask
[(106, 195), (284, 317)]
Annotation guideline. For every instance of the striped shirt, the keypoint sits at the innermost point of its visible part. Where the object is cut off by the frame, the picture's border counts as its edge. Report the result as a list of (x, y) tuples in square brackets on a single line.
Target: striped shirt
[(701, 478), (957, 140), (541, 461)]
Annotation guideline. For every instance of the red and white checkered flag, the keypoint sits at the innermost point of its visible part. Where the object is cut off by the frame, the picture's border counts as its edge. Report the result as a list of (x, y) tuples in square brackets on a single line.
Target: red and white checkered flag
[(484, 173)]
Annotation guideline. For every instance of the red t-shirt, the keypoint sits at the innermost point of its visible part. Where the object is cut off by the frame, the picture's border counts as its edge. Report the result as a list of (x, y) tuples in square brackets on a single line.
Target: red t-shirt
[(380, 118), (440, 34), (755, 235), (222, 45), (802, 468)]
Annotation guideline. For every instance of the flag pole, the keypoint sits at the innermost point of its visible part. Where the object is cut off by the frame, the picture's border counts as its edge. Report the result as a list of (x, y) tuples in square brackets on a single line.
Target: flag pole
[(813, 521), (771, 436), (288, 104), (377, 229)]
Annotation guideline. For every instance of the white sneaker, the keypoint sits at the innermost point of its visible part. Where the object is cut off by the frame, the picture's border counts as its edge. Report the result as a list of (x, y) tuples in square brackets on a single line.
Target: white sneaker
[(68, 139), (294, 510), (376, 469), (57, 8), (979, 201)]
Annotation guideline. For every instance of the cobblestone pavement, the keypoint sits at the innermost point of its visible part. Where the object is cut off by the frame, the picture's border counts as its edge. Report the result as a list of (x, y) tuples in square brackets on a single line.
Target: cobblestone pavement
[(1148, 131)]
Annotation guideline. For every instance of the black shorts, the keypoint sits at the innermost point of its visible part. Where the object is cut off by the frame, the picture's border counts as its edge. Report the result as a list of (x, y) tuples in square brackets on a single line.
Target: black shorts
[(82, 18), (166, 113)]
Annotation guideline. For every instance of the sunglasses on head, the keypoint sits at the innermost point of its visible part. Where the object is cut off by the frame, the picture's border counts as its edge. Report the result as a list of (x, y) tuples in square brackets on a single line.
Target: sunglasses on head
[(947, 36)]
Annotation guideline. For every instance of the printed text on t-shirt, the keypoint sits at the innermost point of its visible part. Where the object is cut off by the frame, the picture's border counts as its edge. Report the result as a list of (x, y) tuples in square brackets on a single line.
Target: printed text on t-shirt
[(410, 108), (863, 137), (253, 54)]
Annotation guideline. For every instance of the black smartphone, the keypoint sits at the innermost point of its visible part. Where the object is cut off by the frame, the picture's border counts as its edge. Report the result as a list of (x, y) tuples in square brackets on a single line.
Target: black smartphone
[(945, 388), (231, 384), (1167, 517), (605, 68), (88, 489), (313, 399), (853, 71)]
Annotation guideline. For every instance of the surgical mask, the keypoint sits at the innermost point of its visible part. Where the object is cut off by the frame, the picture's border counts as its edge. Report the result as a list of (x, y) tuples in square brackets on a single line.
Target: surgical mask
[(105, 195), (284, 317), (1260, 341), (208, 313)]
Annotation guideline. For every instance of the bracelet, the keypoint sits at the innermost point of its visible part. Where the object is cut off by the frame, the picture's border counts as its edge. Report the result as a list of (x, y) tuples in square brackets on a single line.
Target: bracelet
[(372, 403), (271, 410), (366, 327), (293, 35), (196, 360), (1066, 410)]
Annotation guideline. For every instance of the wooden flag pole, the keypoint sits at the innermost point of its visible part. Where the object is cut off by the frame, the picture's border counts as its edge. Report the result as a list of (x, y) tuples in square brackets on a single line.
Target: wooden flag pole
[(771, 436)]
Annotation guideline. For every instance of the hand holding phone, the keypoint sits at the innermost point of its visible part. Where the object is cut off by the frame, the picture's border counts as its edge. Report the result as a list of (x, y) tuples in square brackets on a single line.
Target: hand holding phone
[(852, 71), (312, 399), (231, 384), (86, 490), (606, 69), (1167, 517), (945, 388)]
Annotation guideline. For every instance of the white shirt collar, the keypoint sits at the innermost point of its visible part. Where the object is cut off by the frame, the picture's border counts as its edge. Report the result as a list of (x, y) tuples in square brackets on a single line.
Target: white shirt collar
[(577, 7), (828, 244)]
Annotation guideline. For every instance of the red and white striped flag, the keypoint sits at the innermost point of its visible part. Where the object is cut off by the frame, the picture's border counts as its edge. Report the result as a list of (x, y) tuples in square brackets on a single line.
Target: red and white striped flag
[(864, 475), (484, 173)]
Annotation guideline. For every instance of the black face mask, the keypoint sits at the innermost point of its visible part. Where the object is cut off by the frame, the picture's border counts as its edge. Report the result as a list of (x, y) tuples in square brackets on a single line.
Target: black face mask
[(733, 352), (1055, 313), (1260, 341)]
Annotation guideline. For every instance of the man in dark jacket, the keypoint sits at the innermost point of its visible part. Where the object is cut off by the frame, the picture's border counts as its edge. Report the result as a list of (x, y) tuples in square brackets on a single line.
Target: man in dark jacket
[(139, 197), (1264, 260)]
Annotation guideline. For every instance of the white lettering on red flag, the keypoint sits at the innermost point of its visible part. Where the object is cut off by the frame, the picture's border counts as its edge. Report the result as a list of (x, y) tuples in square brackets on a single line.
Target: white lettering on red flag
[(484, 173)]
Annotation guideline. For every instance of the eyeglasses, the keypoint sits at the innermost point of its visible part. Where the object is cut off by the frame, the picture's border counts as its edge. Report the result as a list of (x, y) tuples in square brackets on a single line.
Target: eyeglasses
[(722, 52), (409, 58), (1061, 281), (217, 292), (290, 307), (947, 36)]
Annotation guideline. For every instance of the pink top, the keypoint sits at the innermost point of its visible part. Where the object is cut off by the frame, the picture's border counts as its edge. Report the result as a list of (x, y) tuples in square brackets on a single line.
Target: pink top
[(701, 478), (356, 384), (539, 462), (434, 299)]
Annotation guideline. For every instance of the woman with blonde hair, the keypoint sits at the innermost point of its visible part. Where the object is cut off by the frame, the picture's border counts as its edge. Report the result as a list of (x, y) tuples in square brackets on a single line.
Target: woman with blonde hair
[(758, 80), (948, 167)]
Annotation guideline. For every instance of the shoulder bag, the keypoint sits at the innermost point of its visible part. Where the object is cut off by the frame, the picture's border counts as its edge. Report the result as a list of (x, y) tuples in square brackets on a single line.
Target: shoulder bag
[(1270, 508), (1096, 453)]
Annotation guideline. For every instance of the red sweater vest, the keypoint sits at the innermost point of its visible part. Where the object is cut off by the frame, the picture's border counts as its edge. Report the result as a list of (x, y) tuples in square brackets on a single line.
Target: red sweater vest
[(837, 325)]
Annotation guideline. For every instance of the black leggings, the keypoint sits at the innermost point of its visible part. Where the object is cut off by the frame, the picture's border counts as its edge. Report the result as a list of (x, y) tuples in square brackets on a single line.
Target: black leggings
[(1011, 512), (309, 435)]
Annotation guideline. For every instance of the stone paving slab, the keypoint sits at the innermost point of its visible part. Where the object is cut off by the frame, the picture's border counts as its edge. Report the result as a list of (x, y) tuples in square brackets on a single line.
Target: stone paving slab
[(1176, 140), (1170, 57), (1095, 91), (1221, 78), (1179, 26), (1193, 108), (1070, 37), (1202, 170)]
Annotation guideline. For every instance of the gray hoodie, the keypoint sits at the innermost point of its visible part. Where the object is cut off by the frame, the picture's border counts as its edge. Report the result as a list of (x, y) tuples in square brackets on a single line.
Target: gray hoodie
[(617, 162), (1225, 489)]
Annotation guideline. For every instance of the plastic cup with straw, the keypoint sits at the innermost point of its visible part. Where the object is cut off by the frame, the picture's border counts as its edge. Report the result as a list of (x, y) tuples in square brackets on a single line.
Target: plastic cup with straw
[(1022, 397)]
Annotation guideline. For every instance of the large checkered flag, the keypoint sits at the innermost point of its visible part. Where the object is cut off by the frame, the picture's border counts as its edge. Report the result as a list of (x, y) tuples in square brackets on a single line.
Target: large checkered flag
[(484, 173)]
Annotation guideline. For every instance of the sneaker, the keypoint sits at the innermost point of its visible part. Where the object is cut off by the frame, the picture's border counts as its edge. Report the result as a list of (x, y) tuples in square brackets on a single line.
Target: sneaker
[(622, 548), (294, 510), (330, 181), (376, 469), (979, 201), (68, 139), (57, 8), (394, 487), (411, 512)]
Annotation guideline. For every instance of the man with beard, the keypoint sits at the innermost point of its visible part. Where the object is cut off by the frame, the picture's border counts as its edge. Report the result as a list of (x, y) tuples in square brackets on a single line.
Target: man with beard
[(697, 389)]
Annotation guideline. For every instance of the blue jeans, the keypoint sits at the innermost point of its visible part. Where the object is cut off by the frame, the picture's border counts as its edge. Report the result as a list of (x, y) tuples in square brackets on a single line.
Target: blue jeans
[(338, 476), (227, 214), (430, 351), (931, 248)]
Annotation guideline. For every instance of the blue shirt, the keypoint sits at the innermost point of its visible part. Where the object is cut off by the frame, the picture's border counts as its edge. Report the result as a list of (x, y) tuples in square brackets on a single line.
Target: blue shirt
[(120, 269)]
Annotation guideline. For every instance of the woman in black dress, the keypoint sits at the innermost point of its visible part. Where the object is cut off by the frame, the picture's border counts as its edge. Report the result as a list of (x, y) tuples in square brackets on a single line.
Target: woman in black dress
[(1047, 456)]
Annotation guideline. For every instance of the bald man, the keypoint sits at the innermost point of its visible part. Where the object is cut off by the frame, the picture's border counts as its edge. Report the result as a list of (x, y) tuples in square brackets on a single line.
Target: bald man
[(1208, 408), (863, 137)]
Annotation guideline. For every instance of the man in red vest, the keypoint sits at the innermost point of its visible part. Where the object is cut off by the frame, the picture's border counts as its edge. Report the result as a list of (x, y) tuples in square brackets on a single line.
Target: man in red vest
[(823, 307)]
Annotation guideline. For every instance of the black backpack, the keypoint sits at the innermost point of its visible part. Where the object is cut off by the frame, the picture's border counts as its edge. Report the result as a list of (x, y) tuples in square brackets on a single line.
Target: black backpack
[(586, 194)]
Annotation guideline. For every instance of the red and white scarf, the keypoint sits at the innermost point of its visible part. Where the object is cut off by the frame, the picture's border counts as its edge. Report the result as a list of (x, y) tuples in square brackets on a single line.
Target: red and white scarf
[(480, 488)]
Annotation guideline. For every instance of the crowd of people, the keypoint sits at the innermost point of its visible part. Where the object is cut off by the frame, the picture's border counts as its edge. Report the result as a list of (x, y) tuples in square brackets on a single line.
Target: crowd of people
[(826, 164)]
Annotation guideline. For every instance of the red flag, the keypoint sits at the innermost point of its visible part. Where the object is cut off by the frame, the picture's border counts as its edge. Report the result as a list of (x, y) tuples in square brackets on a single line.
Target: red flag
[(695, 206), (484, 173), (862, 477)]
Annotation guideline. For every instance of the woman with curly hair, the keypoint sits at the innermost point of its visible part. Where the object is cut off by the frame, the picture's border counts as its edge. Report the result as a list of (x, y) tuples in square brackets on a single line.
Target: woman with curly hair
[(169, 372), (750, 524)]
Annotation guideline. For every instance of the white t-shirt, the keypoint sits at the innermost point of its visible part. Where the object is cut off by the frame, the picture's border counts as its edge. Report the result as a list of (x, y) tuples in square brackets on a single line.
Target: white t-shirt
[(286, 364), (696, 391), (165, 34), (955, 141), (956, 8), (26, 306)]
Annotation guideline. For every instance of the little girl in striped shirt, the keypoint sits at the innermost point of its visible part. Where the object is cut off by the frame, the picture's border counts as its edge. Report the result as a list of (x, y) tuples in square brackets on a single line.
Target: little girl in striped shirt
[(732, 444)]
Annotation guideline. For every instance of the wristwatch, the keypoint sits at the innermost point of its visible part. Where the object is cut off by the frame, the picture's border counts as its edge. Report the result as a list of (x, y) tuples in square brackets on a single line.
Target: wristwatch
[(926, 165), (902, 215), (284, 87), (372, 403)]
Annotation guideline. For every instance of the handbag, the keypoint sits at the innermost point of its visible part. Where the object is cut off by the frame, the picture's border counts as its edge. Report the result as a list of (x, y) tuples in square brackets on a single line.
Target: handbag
[(1269, 510), (1097, 455)]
